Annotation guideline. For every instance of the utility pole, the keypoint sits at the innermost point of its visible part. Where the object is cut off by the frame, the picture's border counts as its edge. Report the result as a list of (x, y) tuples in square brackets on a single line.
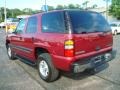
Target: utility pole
[(107, 8), (0, 15), (46, 6), (5, 20), (45, 3)]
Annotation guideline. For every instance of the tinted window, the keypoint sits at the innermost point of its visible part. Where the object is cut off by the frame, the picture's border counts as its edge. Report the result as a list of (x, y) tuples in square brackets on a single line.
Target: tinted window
[(53, 22), (119, 25), (21, 26), (32, 25), (113, 25), (83, 21)]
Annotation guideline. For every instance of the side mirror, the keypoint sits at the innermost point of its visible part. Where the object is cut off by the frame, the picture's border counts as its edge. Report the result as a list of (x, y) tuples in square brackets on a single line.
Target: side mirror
[(14, 32), (11, 31)]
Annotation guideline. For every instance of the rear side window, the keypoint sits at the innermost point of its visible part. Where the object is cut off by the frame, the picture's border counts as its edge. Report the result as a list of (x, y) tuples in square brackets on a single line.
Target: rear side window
[(32, 25), (53, 22), (84, 22)]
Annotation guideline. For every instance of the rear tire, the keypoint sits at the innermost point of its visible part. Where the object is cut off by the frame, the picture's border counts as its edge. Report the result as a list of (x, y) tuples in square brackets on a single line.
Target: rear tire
[(46, 69), (10, 53)]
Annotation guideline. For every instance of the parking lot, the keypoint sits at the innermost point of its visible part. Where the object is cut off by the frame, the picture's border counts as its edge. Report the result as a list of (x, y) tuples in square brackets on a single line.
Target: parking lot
[(16, 75)]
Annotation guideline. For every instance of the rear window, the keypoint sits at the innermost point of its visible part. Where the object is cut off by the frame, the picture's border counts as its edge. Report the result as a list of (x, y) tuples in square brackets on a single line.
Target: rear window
[(83, 22), (53, 22)]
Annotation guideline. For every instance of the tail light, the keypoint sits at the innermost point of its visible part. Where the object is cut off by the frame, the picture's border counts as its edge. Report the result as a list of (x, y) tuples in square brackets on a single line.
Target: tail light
[(69, 48)]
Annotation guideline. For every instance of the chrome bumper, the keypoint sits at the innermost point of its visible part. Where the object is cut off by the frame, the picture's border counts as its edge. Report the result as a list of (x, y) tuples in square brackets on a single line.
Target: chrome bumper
[(92, 62)]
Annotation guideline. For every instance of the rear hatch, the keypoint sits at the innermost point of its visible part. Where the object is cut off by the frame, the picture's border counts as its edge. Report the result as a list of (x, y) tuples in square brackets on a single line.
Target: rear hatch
[(91, 32)]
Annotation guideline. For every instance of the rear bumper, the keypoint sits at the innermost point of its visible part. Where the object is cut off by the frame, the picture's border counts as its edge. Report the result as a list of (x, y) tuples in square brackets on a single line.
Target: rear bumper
[(67, 63), (92, 62)]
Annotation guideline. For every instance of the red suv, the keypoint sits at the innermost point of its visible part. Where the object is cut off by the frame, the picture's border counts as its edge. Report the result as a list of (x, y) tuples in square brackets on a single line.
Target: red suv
[(67, 40)]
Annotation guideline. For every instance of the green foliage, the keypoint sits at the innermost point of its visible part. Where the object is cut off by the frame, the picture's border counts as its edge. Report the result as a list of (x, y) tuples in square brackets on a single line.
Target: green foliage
[(70, 6), (1, 14), (50, 8), (59, 7), (85, 4), (94, 6), (115, 8), (12, 13)]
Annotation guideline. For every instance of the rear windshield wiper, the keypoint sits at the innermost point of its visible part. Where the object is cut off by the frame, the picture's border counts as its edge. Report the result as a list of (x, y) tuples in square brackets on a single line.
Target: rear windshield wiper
[(83, 32)]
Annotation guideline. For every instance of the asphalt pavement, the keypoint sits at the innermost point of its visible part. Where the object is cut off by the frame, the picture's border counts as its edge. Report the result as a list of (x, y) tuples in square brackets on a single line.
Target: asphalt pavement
[(13, 76), (16, 75)]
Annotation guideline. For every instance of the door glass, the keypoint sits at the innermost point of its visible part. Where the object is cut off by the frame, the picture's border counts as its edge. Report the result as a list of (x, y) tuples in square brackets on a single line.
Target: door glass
[(21, 26), (53, 22), (32, 25)]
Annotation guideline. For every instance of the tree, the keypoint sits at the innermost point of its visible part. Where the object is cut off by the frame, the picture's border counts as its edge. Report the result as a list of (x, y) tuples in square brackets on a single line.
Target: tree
[(115, 8), (65, 7), (77, 6), (59, 7), (71, 6), (1, 14), (85, 4), (15, 12), (12, 13), (50, 8), (94, 6), (27, 11)]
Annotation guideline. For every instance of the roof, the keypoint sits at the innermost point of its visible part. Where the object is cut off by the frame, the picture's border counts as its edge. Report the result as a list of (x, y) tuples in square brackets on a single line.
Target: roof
[(62, 11), (68, 10)]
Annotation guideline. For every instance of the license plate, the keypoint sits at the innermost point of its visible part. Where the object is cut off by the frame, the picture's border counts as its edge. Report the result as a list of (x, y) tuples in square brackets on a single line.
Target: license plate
[(97, 59)]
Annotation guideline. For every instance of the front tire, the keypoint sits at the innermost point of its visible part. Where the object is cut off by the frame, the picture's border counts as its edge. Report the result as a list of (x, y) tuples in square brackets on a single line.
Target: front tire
[(46, 69), (10, 53)]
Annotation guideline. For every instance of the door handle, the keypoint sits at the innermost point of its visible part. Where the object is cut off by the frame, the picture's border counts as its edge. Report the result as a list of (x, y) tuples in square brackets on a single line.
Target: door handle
[(20, 38), (102, 35), (33, 38)]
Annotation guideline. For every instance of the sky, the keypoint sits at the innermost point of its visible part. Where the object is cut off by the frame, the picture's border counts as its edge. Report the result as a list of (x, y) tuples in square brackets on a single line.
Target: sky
[(36, 4)]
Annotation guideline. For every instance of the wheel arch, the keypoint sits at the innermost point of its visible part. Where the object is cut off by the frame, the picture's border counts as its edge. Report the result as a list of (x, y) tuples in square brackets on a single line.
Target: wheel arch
[(39, 50), (7, 42)]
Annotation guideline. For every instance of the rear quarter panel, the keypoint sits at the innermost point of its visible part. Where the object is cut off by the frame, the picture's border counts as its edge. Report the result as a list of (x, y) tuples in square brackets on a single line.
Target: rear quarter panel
[(53, 42)]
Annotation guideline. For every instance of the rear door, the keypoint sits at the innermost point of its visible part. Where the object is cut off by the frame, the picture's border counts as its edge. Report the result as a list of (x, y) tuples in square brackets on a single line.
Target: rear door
[(91, 32)]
